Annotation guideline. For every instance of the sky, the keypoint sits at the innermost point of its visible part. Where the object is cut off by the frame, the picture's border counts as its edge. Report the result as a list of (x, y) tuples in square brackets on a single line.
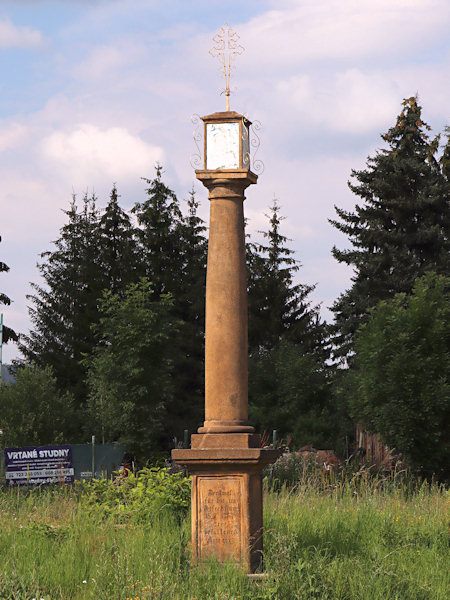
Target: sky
[(95, 92)]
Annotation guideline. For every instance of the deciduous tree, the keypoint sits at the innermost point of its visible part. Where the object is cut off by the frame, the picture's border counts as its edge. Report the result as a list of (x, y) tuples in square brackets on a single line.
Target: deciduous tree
[(401, 383), (33, 410), (130, 372)]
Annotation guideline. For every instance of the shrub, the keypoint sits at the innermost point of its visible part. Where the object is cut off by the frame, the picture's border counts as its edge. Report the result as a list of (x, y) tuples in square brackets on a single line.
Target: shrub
[(144, 496), (401, 383)]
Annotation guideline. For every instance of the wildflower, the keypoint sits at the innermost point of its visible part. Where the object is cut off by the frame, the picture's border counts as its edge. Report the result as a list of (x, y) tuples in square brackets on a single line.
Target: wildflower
[(84, 581)]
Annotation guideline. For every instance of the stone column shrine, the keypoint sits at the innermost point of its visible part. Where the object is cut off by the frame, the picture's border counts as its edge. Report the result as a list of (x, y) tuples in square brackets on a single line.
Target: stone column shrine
[(226, 458)]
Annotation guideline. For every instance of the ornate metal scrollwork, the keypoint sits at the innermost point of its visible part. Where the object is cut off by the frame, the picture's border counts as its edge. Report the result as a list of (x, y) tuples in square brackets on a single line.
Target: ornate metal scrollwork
[(257, 164), (196, 157), (245, 145)]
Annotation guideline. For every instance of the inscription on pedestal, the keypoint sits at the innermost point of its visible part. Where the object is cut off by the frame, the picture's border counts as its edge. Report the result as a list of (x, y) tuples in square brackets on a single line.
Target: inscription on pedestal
[(219, 517)]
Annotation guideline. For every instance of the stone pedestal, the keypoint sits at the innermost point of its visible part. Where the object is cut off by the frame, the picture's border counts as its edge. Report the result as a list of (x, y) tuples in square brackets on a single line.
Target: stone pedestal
[(227, 509), (226, 458)]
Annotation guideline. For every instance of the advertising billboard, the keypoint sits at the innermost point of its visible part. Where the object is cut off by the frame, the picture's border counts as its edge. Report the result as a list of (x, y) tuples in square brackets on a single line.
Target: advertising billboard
[(36, 465)]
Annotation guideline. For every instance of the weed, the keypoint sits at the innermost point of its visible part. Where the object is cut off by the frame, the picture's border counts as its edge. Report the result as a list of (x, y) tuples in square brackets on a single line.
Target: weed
[(345, 536)]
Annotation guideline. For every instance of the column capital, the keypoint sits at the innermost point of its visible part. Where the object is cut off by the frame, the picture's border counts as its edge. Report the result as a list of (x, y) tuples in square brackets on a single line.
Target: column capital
[(226, 183)]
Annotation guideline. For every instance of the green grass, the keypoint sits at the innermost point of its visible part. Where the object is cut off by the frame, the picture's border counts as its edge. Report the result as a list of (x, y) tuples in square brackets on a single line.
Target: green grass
[(344, 540)]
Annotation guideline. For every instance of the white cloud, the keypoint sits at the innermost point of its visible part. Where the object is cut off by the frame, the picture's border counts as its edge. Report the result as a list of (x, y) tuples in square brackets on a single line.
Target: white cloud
[(363, 102), (13, 36), (352, 29), (24, 200), (349, 101), (88, 153), (107, 59), (11, 135)]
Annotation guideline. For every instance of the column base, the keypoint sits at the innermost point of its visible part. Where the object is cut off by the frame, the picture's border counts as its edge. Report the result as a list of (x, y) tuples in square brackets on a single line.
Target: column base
[(226, 427), (227, 516)]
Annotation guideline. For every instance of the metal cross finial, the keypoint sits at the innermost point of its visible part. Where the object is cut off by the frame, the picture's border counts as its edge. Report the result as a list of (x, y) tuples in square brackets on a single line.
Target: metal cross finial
[(225, 48)]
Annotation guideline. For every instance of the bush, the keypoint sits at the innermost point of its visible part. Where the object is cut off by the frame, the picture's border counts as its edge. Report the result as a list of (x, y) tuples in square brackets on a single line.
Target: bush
[(144, 496), (401, 380)]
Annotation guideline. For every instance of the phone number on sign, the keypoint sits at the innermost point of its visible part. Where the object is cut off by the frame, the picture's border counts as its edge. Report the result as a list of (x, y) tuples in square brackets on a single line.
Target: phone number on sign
[(33, 474)]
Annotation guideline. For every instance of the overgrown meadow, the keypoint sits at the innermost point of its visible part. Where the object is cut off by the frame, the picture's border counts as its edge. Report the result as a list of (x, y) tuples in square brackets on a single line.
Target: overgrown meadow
[(345, 536)]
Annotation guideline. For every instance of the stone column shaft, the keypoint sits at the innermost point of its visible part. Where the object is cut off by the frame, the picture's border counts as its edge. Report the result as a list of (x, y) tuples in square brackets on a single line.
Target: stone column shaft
[(226, 346)]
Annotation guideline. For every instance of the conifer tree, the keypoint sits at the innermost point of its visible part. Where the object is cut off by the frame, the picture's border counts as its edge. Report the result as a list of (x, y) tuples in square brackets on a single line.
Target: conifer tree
[(195, 251), (400, 230), (189, 308), (289, 381), (445, 158), (8, 334), (172, 252), (159, 236), (65, 308), (117, 246), (279, 309)]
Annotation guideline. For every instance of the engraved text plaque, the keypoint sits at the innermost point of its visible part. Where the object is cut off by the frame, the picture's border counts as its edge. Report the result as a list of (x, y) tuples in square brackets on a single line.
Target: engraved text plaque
[(219, 516)]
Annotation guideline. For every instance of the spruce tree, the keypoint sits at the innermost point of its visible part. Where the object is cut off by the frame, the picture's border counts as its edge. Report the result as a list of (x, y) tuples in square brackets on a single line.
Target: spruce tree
[(290, 391), (279, 309), (289, 380), (195, 251), (117, 246), (172, 252), (400, 230), (189, 308), (8, 334), (159, 236), (64, 309), (96, 253), (445, 158)]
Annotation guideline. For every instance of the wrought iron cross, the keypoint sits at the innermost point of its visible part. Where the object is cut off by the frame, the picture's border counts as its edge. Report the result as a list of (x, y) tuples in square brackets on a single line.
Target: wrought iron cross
[(225, 48)]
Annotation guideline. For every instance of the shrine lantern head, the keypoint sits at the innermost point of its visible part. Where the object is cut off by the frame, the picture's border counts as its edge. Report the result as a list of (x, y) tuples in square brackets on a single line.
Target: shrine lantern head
[(226, 141)]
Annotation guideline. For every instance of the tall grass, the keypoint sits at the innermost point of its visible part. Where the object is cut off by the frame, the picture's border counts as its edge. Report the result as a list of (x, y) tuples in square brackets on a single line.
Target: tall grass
[(342, 537), (361, 537)]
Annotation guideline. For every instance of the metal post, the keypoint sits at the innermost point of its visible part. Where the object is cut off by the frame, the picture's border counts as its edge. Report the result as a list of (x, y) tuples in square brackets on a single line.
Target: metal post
[(186, 438), (274, 439), (3, 443), (93, 456), (1, 344), (2, 457)]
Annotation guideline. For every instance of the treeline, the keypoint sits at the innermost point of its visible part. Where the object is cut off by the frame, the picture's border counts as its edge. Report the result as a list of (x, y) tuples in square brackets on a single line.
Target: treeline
[(117, 345)]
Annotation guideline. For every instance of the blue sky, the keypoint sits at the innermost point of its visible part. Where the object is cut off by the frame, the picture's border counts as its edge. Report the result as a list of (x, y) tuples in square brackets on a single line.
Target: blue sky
[(95, 92)]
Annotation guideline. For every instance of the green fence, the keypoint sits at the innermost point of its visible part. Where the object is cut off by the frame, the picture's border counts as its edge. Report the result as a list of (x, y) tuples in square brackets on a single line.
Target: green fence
[(96, 460)]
